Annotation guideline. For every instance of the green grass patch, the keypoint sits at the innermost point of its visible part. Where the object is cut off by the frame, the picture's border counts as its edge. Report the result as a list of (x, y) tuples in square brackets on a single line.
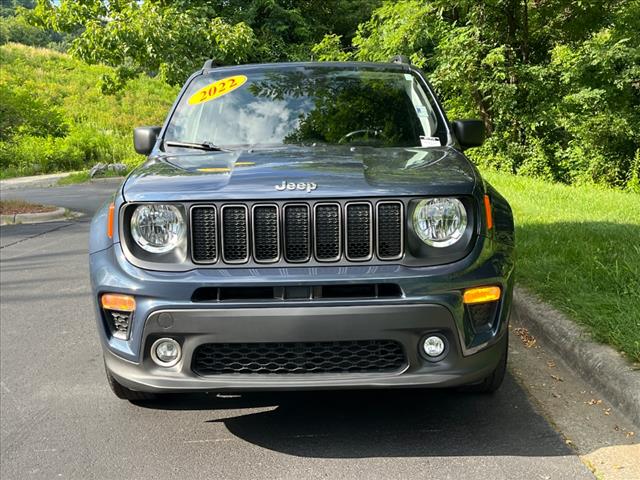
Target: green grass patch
[(54, 118), (76, 177), (83, 176), (579, 248)]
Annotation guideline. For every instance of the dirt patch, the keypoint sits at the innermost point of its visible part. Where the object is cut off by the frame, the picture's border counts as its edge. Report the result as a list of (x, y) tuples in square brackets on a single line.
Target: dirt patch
[(12, 207)]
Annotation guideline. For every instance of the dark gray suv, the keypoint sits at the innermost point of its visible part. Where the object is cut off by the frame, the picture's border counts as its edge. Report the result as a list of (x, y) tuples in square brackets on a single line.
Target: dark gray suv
[(304, 226)]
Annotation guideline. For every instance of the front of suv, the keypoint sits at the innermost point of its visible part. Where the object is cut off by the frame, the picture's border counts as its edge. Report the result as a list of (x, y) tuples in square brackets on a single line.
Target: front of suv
[(302, 226)]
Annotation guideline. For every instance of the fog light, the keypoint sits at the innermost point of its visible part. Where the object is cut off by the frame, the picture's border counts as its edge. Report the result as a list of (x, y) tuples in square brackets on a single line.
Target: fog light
[(434, 346), (165, 352)]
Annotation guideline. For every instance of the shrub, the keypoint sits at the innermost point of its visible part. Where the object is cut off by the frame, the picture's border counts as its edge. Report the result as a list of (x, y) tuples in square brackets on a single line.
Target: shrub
[(16, 29), (556, 83), (22, 113), (53, 116)]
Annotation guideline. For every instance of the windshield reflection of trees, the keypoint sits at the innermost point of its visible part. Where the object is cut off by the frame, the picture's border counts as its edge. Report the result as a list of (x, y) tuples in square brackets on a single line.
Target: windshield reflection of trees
[(379, 110)]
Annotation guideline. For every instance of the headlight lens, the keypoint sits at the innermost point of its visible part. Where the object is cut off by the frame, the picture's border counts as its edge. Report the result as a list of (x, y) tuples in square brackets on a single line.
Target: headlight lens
[(440, 222), (157, 228)]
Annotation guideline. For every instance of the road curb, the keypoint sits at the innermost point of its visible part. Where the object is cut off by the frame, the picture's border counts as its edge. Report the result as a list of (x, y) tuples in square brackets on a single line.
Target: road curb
[(598, 364), (49, 180), (57, 214)]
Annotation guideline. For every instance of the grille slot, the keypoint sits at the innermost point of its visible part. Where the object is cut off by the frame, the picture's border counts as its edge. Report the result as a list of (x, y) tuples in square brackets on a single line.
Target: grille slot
[(359, 231), (298, 292), (204, 234), (389, 221), (235, 234), (357, 356), (296, 233), (266, 233), (328, 232)]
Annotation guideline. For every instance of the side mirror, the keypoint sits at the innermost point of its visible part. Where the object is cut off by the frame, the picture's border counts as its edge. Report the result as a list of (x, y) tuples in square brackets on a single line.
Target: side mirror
[(470, 133), (144, 139)]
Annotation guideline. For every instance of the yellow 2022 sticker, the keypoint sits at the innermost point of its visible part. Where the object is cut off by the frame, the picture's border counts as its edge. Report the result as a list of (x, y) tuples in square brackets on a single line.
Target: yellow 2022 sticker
[(217, 89)]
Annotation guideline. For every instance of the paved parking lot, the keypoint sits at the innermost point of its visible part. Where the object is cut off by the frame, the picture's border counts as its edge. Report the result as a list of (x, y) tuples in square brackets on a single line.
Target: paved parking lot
[(59, 420)]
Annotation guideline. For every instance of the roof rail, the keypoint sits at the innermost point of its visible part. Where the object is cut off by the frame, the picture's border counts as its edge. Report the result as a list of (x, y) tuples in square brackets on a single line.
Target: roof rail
[(211, 63), (400, 59)]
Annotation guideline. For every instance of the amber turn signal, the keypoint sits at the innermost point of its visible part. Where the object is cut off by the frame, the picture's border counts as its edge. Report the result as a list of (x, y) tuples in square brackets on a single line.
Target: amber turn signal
[(112, 208), (481, 295), (487, 211), (117, 301)]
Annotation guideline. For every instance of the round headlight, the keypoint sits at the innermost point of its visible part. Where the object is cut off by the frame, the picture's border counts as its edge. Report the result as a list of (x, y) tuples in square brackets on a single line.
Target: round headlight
[(440, 222), (157, 228)]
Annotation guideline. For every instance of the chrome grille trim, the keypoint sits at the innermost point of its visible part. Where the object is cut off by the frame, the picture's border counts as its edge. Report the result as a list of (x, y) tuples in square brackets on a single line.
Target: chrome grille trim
[(222, 233), (402, 226), (278, 233), (315, 233), (346, 232)]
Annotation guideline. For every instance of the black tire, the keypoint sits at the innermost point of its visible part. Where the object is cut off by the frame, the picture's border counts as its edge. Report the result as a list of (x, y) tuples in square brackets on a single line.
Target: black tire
[(491, 383), (123, 392)]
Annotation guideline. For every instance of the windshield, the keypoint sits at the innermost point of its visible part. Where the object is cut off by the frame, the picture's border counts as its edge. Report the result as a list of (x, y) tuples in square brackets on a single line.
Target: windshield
[(304, 106)]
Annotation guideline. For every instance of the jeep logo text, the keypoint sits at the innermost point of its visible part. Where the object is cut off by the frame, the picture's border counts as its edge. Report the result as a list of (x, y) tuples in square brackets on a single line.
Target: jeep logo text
[(303, 186)]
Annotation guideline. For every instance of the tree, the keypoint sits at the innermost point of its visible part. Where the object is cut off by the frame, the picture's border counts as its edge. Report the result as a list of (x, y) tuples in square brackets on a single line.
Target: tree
[(150, 37), (286, 30), (173, 38), (557, 83), (14, 28)]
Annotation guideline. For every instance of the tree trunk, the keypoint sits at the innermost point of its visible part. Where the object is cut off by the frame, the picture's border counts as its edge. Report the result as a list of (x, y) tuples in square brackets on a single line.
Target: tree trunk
[(485, 114)]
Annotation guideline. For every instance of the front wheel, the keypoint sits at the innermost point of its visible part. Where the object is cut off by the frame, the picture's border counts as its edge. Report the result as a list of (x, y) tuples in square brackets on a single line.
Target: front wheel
[(123, 392), (492, 382)]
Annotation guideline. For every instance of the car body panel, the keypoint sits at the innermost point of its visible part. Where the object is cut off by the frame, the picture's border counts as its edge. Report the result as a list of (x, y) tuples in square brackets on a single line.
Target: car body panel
[(335, 172), (431, 299)]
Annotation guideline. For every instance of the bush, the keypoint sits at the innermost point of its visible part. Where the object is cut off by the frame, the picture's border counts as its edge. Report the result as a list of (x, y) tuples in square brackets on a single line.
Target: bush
[(53, 116), (16, 29), (556, 83), (83, 147), (22, 113)]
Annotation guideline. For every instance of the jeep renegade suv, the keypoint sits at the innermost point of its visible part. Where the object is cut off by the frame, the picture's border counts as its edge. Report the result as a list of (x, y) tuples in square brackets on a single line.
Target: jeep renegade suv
[(304, 226)]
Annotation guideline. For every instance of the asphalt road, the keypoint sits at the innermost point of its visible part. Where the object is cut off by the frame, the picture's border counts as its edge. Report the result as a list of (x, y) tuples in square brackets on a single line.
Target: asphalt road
[(59, 419)]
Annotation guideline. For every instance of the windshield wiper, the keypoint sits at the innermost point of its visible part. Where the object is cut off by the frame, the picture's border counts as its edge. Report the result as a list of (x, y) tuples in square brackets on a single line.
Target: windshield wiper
[(208, 146)]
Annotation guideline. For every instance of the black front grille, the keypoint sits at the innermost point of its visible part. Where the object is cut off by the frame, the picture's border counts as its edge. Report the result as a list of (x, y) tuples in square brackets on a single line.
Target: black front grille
[(321, 231), (389, 224), (235, 234), (266, 242), (204, 234), (359, 231), (358, 356), (296, 233), (328, 232)]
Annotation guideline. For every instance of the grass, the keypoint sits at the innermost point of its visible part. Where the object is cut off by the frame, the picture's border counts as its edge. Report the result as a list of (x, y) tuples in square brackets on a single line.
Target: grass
[(76, 177), (579, 248), (83, 176), (81, 125), (11, 207)]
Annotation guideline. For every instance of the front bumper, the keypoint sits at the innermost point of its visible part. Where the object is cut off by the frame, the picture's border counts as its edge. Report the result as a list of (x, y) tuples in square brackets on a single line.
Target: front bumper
[(431, 303), (406, 324)]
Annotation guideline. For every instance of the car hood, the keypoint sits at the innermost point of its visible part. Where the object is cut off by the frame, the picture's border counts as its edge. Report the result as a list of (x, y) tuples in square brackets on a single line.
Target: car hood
[(299, 172)]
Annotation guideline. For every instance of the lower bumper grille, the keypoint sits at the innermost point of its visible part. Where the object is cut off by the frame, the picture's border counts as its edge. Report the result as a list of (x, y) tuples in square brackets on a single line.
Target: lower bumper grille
[(357, 356)]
